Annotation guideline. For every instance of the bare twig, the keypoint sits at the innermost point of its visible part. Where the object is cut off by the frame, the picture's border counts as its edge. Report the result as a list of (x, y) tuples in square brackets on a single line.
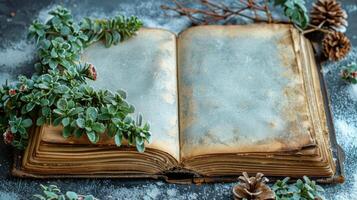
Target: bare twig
[(316, 28), (215, 12)]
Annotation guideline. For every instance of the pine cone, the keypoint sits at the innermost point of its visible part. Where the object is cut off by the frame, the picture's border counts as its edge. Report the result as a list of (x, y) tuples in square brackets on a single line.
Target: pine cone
[(253, 188), (331, 12), (336, 45)]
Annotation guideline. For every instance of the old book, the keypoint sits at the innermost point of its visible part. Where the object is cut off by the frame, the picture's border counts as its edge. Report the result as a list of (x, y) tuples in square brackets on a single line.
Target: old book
[(221, 100)]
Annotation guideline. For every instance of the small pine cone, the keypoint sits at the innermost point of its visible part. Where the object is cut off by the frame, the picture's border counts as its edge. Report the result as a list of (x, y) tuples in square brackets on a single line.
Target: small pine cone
[(336, 45), (253, 188), (331, 12)]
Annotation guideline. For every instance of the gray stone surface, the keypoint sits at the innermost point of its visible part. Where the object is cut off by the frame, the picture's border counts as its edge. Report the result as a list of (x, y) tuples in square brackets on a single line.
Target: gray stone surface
[(17, 56)]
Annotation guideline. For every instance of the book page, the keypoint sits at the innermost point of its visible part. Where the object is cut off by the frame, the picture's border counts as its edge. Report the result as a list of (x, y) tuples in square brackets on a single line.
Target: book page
[(240, 91), (145, 67)]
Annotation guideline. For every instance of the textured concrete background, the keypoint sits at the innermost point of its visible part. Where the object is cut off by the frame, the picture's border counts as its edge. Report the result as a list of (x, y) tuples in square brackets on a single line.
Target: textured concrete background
[(17, 56)]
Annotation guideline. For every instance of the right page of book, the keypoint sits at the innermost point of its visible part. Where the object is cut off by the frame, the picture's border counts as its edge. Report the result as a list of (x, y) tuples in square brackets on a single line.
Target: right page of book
[(241, 91)]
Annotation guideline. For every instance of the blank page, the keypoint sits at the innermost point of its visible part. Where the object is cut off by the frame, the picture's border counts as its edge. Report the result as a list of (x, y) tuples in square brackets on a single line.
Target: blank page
[(241, 90)]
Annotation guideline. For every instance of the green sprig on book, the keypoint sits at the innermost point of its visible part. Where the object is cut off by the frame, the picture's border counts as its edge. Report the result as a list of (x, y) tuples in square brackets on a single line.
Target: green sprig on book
[(58, 93)]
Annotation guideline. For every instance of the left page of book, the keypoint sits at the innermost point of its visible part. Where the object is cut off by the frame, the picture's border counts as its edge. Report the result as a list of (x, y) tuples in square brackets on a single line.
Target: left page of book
[(145, 67)]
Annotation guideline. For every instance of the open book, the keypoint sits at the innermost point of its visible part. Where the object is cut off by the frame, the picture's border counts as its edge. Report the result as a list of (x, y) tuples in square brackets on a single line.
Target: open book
[(220, 99)]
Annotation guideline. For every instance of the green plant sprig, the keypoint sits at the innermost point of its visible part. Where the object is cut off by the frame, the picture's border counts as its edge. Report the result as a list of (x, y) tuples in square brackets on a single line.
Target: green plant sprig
[(113, 31), (58, 94), (349, 73), (52, 192), (304, 190), (295, 10)]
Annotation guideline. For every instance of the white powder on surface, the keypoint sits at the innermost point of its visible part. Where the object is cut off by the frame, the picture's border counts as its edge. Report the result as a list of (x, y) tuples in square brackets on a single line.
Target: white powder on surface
[(347, 131), (8, 196), (352, 91), (344, 103), (351, 8), (17, 53)]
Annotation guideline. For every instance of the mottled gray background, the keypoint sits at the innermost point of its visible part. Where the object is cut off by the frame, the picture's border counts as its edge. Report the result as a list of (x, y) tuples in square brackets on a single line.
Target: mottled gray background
[(17, 56)]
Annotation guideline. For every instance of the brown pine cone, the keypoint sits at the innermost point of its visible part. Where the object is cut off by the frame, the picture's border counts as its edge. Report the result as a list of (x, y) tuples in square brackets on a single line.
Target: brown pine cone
[(336, 45), (331, 12), (253, 188)]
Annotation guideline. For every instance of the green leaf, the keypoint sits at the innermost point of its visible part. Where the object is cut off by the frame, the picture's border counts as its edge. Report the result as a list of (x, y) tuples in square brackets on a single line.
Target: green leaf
[(62, 89), (66, 131), (42, 86), (92, 113), (45, 44), (62, 104), (111, 130), (89, 197), (139, 140), (40, 121), (108, 39), (22, 131), (128, 119), (57, 121), (46, 111), (58, 111), (116, 120), (23, 109), (65, 30), (122, 93), (140, 147), (146, 127), (61, 197), (80, 122), (13, 129), (26, 123), (93, 137), (310, 195), (139, 121), (77, 133), (39, 197), (104, 116), (53, 64), (118, 138), (71, 195), (65, 121), (116, 37), (44, 102), (30, 107), (51, 195), (66, 64), (131, 109), (98, 127), (71, 104), (149, 138), (76, 111)]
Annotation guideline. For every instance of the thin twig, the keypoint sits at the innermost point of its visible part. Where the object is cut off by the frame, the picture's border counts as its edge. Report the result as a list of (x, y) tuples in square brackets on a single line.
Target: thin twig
[(214, 12), (316, 28)]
